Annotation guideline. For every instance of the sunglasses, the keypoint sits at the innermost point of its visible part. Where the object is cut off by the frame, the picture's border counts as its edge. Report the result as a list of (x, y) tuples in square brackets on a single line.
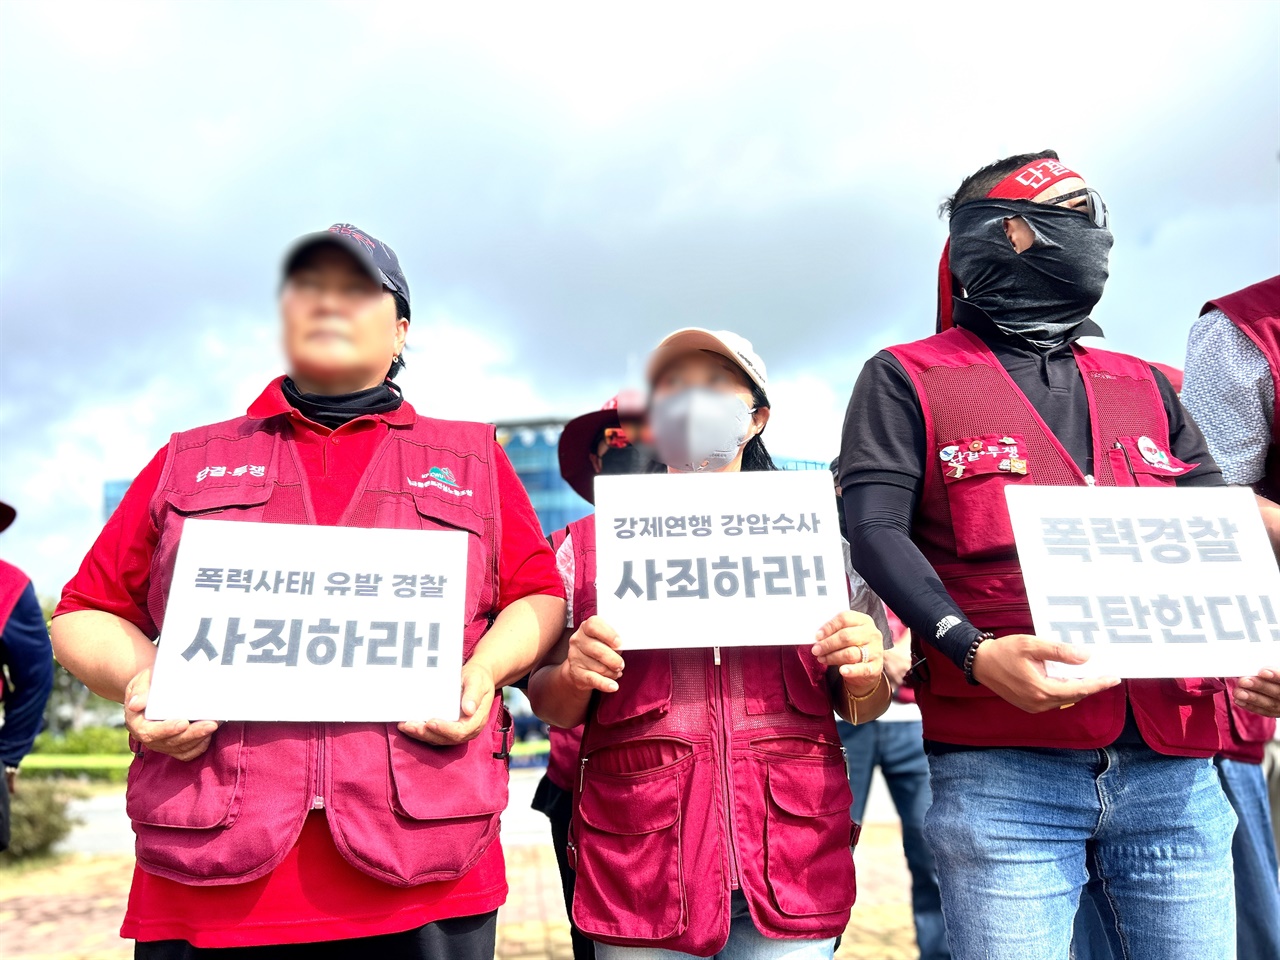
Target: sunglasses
[(1093, 205)]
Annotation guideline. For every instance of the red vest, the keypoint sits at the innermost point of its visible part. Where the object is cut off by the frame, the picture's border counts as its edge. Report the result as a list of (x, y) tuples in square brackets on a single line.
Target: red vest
[(400, 810), (12, 584), (566, 745), (962, 526), (1256, 311), (708, 771)]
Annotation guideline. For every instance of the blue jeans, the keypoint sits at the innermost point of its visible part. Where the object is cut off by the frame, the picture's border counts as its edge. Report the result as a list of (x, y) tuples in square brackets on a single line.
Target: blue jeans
[(897, 748), (1254, 851), (745, 943), (1018, 833)]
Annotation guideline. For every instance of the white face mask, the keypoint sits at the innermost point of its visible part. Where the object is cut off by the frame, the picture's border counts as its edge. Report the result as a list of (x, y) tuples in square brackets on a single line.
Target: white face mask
[(699, 430)]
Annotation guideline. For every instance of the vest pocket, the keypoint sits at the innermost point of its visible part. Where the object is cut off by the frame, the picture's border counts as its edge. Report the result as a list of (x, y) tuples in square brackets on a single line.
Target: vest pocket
[(808, 862), (434, 513), (1141, 462), (461, 784), (778, 679), (629, 860), (975, 472), (199, 794), (644, 692)]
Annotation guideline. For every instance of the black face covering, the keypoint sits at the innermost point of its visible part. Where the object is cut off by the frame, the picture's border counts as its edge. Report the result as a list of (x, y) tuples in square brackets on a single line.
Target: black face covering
[(1044, 293), (633, 458), (844, 523)]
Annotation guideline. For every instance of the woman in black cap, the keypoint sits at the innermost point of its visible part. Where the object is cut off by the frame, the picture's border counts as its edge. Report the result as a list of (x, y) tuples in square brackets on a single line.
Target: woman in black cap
[(321, 840)]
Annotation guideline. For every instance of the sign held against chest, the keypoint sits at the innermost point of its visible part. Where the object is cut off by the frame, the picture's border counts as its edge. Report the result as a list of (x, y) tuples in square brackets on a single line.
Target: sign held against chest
[(269, 621), (726, 559), (1152, 581)]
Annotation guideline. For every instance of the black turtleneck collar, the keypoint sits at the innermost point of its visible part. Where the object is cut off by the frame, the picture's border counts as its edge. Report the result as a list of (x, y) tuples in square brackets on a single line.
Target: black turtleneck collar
[(334, 411), (975, 320)]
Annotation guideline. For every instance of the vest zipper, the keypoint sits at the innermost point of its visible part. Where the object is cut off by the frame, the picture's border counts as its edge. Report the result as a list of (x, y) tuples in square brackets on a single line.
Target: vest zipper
[(317, 793), (726, 774), (582, 774)]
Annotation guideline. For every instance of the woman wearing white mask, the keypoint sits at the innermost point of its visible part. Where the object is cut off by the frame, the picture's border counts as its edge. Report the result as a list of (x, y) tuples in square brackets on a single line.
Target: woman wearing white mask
[(712, 814)]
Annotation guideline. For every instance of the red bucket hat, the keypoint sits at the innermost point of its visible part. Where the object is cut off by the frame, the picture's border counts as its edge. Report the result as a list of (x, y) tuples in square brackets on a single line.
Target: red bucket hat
[(578, 440)]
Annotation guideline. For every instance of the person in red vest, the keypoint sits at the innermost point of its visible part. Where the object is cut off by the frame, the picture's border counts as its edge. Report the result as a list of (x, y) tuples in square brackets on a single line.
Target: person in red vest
[(1038, 783), (604, 441), (321, 840), (26, 661), (1233, 366), (712, 812)]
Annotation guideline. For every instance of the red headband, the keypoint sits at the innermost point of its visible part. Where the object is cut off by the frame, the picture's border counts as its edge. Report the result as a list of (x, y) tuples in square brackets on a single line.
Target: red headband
[(1025, 183)]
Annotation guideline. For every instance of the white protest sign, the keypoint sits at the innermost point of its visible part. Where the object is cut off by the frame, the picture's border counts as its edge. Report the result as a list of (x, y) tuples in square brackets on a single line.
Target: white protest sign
[(1152, 581), (722, 559), (273, 621)]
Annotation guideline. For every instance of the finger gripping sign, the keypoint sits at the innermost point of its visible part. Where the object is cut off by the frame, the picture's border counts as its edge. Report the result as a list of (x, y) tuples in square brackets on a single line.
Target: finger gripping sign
[(725, 559), (1153, 582), (273, 621)]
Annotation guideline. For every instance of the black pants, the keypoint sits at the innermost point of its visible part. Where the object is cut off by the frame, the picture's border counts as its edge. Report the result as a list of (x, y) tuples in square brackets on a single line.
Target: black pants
[(557, 804), (459, 938), (4, 815)]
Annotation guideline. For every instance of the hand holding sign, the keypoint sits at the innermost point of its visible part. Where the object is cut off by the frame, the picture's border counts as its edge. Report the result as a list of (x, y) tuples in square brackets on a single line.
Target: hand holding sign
[(1260, 694), (1013, 667), (593, 662), (852, 642), (180, 739), (478, 691)]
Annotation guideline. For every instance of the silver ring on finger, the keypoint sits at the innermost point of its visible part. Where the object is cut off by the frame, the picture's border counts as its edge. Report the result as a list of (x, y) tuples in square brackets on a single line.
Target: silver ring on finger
[(862, 655)]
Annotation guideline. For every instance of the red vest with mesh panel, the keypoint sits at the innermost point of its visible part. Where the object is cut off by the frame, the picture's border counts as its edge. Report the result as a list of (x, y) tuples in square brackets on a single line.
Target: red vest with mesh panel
[(962, 526), (562, 765), (708, 771), (1256, 311), (400, 810), (12, 584)]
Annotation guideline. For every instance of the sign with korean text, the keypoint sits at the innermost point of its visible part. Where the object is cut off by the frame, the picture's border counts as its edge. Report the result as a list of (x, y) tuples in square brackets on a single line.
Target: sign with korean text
[(273, 621), (1152, 581), (723, 559)]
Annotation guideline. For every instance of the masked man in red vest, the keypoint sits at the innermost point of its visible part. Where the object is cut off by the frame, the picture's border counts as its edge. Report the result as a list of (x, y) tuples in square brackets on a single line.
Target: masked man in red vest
[(329, 840), (1038, 783), (1233, 366)]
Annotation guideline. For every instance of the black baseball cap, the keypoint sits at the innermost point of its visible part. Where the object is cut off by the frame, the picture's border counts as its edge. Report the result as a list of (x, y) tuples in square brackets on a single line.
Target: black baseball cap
[(379, 260)]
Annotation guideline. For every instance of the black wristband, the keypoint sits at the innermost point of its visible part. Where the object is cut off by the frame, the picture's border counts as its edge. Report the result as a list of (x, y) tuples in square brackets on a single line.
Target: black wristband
[(972, 653)]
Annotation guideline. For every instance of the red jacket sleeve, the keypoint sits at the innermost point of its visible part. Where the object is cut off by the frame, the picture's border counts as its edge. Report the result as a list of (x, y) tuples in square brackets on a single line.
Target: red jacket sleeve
[(116, 573), (526, 565)]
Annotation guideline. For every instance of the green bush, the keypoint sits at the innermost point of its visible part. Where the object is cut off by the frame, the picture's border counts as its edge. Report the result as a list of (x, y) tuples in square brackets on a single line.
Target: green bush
[(38, 819), (95, 767), (94, 740)]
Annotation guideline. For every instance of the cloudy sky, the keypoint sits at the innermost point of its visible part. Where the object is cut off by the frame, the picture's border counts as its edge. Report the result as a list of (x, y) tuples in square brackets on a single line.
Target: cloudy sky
[(564, 185)]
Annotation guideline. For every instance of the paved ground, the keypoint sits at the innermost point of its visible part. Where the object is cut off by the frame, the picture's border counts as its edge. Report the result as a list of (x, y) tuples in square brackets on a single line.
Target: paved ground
[(72, 909)]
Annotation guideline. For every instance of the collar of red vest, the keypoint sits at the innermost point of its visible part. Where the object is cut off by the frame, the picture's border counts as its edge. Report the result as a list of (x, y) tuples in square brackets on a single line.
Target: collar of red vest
[(272, 403)]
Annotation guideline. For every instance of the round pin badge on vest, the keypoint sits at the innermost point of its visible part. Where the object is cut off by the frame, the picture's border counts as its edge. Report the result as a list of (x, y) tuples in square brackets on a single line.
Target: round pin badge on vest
[(1152, 453), (975, 446), (946, 453)]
